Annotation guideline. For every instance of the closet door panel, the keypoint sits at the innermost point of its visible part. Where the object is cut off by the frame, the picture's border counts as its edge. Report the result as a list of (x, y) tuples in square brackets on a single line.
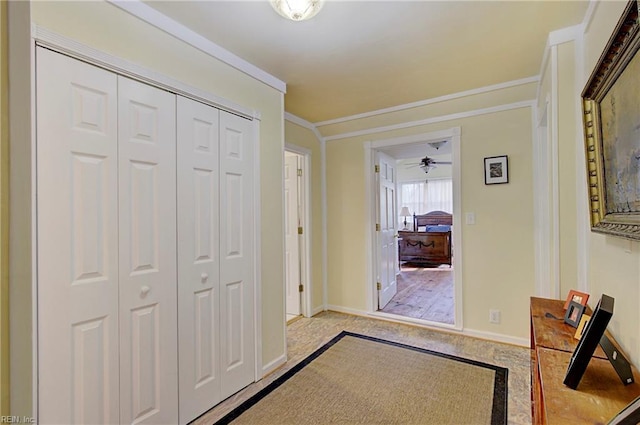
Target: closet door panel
[(236, 253), (147, 198), (77, 242), (198, 258)]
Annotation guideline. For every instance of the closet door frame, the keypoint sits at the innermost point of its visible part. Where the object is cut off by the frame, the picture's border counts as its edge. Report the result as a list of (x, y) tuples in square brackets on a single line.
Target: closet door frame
[(48, 39)]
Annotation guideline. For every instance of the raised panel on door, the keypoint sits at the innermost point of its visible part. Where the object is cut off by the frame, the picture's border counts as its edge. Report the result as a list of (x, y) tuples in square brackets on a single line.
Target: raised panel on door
[(147, 250), (292, 253), (77, 241), (237, 282), (198, 258), (387, 218)]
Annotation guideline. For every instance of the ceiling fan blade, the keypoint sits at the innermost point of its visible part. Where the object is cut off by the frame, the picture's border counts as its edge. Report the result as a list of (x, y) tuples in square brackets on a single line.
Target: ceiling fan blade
[(442, 162)]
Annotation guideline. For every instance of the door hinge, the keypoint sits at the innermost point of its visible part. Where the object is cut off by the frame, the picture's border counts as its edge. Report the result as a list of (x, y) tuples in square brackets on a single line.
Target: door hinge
[(377, 227), (299, 172), (299, 230), (300, 288), (376, 168), (379, 285)]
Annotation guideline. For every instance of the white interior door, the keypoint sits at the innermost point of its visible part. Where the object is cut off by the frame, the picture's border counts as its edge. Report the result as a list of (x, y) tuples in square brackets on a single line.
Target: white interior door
[(292, 246), (148, 308), (198, 259), (237, 274), (387, 242), (77, 216)]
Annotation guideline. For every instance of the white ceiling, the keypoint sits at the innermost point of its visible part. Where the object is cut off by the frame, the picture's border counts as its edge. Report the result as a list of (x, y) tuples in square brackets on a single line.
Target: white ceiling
[(360, 56)]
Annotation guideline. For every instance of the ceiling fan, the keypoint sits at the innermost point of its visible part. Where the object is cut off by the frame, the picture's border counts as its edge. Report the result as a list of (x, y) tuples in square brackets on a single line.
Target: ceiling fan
[(427, 164)]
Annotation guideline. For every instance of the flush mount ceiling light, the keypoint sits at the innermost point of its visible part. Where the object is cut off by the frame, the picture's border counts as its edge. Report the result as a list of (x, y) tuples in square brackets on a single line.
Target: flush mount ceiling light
[(297, 10), (437, 145)]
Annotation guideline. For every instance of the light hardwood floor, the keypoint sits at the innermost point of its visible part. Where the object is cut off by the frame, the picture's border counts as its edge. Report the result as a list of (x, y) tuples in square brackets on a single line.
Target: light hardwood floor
[(424, 293), (305, 335)]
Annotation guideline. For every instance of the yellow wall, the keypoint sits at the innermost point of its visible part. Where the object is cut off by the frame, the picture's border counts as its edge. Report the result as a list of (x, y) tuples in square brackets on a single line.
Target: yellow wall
[(567, 160), (4, 215), (105, 27), (20, 202), (300, 136), (614, 263), (497, 251)]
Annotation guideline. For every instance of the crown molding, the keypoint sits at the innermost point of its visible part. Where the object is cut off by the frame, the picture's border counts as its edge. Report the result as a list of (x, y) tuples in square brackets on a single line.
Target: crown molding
[(565, 35), (61, 44), (588, 16), (555, 38), (433, 120), (151, 16), (480, 90), (303, 123)]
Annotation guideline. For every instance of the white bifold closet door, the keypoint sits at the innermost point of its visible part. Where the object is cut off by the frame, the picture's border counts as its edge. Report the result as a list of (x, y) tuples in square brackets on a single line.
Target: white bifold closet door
[(147, 252), (237, 263), (145, 211), (198, 258), (215, 256), (77, 216), (107, 314)]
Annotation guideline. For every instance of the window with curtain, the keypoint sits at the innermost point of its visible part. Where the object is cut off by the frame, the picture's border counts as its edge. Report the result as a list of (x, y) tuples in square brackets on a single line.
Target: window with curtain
[(422, 197)]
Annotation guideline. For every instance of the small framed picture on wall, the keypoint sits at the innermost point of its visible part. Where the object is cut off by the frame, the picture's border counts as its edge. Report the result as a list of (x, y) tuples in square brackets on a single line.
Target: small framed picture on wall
[(496, 169)]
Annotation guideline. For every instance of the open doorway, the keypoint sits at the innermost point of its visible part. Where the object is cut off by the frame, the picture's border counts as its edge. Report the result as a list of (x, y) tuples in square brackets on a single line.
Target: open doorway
[(426, 283), (296, 229), (425, 222)]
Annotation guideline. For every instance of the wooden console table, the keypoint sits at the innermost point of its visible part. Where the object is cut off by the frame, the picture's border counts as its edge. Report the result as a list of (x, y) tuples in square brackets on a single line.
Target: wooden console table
[(600, 394)]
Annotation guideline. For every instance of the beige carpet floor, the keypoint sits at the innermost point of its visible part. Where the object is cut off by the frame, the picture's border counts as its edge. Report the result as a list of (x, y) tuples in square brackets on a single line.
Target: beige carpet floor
[(356, 379)]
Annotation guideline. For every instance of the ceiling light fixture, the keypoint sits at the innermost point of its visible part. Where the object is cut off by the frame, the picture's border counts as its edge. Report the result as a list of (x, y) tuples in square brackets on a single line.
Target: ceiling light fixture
[(297, 10), (437, 145)]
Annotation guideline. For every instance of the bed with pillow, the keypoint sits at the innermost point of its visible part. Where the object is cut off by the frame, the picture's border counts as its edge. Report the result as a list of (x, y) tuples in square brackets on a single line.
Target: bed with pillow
[(430, 243)]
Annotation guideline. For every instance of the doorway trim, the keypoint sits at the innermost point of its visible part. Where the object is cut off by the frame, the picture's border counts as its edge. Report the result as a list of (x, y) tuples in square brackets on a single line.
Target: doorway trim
[(546, 212), (305, 246), (452, 135)]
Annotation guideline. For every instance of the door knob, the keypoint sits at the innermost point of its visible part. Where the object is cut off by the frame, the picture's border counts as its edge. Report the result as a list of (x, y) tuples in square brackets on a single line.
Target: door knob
[(204, 277), (144, 291)]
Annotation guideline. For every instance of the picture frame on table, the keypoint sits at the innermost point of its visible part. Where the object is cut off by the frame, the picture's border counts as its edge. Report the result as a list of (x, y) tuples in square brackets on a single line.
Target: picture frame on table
[(589, 341), (574, 314), (577, 296), (496, 169), (583, 323), (611, 116)]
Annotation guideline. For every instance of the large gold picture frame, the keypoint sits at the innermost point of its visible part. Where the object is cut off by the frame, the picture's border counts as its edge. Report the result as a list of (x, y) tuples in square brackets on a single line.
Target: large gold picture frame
[(611, 107)]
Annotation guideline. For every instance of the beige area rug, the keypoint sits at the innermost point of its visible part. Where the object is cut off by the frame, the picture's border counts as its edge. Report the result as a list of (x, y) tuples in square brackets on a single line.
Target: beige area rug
[(356, 379)]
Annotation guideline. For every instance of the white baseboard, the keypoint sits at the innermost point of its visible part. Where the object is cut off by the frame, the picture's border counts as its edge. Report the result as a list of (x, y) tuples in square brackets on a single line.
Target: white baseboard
[(352, 311), (491, 336), (318, 310), (273, 365)]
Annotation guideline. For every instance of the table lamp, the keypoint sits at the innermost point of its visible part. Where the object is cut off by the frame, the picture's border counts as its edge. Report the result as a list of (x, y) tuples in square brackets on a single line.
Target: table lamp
[(405, 212)]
